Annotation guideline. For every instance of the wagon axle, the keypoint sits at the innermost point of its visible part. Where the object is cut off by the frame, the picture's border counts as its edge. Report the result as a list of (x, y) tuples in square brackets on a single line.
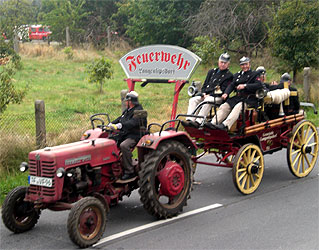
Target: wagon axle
[(305, 149), (252, 168)]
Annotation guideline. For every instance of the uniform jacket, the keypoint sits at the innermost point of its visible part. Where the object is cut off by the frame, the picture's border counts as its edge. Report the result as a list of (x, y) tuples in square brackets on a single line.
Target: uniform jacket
[(216, 77), (251, 78), (130, 124)]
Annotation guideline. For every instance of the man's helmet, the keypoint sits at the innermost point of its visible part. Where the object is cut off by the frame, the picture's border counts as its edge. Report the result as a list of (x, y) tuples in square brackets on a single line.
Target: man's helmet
[(261, 70), (132, 96), (285, 77), (244, 60), (225, 57)]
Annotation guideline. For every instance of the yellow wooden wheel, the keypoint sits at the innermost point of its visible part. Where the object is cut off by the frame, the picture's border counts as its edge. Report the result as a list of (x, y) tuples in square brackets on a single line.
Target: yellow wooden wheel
[(302, 150), (248, 168)]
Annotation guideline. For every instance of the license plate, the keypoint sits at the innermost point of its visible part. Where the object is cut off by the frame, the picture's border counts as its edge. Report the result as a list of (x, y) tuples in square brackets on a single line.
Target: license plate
[(40, 181)]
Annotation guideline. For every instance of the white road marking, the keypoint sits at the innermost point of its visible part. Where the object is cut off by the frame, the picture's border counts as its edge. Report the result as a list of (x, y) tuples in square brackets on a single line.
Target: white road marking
[(156, 223)]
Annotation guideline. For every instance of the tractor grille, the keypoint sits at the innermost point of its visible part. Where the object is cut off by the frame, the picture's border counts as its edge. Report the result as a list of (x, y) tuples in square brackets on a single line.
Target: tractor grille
[(42, 169)]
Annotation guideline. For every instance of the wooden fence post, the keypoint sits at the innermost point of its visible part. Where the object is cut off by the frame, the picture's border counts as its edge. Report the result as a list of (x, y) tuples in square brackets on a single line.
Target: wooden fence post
[(16, 44), (108, 37), (306, 83), (40, 123), (123, 94), (67, 36)]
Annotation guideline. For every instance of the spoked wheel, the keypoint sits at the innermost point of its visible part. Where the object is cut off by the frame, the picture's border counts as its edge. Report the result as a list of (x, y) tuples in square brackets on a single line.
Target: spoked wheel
[(166, 179), (302, 150), (19, 215), (248, 168), (86, 222)]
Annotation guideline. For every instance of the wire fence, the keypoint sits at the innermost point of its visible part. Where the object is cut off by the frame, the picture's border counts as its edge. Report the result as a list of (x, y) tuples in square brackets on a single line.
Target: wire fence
[(61, 126)]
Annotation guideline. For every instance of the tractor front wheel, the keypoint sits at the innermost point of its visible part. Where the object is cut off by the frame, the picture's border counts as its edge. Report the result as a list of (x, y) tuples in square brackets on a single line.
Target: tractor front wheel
[(19, 215), (166, 179), (86, 222)]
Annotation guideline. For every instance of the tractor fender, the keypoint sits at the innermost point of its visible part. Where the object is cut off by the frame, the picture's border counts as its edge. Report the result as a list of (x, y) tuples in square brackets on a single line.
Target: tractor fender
[(152, 141)]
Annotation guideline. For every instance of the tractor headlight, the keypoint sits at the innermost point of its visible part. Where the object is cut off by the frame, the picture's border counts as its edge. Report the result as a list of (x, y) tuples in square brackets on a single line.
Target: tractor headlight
[(69, 174), (148, 142), (24, 167), (86, 135), (60, 172)]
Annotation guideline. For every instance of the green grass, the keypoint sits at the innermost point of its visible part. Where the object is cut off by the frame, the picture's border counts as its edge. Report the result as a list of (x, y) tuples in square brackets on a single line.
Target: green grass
[(10, 182)]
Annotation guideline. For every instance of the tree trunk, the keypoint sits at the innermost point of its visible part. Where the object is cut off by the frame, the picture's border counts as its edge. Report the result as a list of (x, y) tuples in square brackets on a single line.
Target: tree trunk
[(101, 87), (294, 76)]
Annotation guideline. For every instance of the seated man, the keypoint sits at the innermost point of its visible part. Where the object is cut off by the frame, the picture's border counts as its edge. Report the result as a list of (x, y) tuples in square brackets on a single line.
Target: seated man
[(130, 133), (216, 82), (245, 84), (278, 93)]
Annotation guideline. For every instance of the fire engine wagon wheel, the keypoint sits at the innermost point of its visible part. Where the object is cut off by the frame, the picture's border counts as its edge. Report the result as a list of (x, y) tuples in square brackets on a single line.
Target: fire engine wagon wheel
[(248, 168), (19, 215), (166, 179), (302, 150), (86, 222)]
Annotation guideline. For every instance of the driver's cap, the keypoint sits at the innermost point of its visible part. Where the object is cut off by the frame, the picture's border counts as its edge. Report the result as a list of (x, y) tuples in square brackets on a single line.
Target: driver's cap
[(132, 96)]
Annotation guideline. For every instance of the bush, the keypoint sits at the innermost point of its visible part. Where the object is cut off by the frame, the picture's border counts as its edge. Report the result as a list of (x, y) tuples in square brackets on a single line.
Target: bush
[(99, 70), (69, 52), (208, 49)]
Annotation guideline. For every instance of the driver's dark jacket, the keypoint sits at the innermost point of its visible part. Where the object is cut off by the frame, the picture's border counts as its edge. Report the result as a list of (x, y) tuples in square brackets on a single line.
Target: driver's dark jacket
[(216, 77), (130, 124), (251, 78)]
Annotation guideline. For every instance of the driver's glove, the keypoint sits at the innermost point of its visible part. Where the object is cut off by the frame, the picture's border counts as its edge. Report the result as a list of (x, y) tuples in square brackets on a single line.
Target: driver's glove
[(115, 126)]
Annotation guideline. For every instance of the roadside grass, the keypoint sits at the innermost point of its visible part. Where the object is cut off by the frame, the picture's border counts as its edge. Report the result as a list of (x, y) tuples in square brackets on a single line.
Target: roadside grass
[(62, 84), (9, 182)]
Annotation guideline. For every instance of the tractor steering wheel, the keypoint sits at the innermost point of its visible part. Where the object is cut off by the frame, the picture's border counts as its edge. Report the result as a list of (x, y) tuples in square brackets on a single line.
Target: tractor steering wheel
[(97, 118)]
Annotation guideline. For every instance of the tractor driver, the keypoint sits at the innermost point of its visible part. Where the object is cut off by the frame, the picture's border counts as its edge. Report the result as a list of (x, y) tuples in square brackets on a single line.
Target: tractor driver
[(130, 133), (216, 82)]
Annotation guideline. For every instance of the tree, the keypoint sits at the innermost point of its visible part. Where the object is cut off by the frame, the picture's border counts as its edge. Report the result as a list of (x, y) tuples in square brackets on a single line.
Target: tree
[(64, 13), (294, 35), (156, 22), (240, 25), (99, 70), (98, 20), (208, 49), (15, 13), (8, 92)]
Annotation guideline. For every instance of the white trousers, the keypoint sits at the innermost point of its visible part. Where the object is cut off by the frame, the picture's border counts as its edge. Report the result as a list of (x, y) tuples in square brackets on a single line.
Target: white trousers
[(204, 110), (226, 115)]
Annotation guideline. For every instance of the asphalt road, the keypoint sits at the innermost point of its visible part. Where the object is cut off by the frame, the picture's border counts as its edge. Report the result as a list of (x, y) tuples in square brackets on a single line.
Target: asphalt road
[(282, 214)]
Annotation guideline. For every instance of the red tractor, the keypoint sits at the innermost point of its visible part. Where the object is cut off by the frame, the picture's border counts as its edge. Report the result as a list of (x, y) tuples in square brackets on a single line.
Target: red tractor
[(83, 177)]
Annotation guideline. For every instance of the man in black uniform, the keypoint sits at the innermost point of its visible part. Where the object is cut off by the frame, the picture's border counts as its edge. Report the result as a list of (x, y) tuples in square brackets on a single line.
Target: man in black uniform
[(245, 84), (274, 111), (216, 82), (129, 132)]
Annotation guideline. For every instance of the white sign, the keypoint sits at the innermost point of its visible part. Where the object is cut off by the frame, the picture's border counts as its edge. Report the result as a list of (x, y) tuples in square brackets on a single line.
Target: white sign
[(160, 62)]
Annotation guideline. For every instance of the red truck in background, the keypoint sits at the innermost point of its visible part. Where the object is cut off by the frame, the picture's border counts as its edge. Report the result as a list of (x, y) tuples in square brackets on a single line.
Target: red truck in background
[(39, 32)]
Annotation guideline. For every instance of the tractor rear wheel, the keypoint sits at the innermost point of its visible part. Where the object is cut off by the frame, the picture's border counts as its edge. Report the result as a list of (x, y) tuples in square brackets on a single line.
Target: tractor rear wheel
[(19, 215), (86, 222), (166, 179)]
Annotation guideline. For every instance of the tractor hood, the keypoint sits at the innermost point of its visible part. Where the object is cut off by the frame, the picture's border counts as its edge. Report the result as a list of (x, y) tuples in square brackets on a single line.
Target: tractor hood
[(93, 152)]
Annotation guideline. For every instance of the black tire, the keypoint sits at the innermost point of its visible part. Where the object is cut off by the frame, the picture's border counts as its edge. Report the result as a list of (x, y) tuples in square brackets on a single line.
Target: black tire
[(85, 211), (19, 215), (155, 202)]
